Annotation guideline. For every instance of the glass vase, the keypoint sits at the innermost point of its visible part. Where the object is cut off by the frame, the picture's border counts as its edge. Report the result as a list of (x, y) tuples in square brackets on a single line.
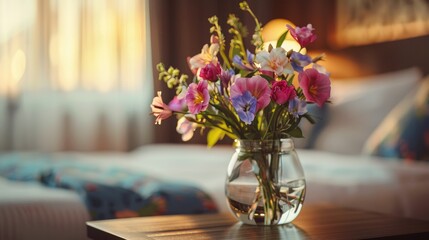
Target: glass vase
[(265, 182)]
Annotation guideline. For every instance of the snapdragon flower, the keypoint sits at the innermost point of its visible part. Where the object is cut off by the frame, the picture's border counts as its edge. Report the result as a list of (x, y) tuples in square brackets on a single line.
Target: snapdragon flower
[(159, 109)]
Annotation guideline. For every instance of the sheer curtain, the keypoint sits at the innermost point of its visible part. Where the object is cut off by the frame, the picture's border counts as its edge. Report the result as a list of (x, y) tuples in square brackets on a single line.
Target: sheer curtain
[(75, 75)]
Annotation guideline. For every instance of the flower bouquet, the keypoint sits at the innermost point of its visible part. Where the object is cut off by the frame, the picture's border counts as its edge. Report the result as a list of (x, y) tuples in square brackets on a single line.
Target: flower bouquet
[(248, 95)]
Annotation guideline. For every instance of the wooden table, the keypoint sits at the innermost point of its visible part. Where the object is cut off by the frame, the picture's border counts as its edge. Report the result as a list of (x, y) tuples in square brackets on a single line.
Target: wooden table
[(314, 222)]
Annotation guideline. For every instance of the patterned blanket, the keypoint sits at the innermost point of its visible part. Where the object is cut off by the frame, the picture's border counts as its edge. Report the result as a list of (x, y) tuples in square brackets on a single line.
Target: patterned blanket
[(108, 192)]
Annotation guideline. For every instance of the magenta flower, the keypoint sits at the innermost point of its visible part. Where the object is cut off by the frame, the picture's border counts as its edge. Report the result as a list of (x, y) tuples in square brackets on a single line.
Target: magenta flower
[(197, 97), (303, 35), (211, 72), (159, 109), (281, 92), (315, 86), (258, 88)]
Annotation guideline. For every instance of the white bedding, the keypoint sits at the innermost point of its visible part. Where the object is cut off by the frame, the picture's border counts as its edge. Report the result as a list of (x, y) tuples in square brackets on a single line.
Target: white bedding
[(32, 211), (360, 182)]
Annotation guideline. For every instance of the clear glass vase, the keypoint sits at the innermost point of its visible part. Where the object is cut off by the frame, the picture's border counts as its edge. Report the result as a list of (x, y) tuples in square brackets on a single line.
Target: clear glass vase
[(265, 182)]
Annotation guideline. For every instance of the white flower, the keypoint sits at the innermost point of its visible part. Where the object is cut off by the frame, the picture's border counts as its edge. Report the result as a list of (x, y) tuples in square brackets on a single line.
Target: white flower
[(275, 61), (207, 55)]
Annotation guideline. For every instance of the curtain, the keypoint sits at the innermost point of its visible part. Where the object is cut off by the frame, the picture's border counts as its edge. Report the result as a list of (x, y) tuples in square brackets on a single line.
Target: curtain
[(75, 75)]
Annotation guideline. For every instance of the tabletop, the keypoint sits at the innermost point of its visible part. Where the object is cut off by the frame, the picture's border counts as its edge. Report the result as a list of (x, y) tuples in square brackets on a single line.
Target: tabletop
[(314, 222)]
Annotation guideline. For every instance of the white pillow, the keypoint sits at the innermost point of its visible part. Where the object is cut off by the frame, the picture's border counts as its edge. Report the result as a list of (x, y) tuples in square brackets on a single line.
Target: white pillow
[(359, 105)]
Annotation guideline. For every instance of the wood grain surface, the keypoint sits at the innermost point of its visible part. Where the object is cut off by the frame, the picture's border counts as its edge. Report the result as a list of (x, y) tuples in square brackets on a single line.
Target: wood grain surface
[(314, 222)]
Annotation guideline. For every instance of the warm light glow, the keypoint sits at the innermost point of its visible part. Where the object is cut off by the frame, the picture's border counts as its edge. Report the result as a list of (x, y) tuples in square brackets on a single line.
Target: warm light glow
[(275, 28), (15, 16), (73, 45), (272, 31), (287, 45), (18, 65)]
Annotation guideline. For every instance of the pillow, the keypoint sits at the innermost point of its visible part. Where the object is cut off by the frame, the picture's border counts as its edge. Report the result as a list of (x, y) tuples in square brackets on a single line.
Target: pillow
[(359, 106), (404, 133), (311, 131)]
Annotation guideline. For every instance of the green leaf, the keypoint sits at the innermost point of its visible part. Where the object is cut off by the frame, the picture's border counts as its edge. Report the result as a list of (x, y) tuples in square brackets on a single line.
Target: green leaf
[(281, 39), (290, 80), (296, 133), (268, 78), (309, 118), (213, 136)]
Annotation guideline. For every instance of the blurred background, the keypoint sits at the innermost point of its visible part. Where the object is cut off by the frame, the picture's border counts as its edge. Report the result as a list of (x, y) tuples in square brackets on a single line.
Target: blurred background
[(80, 75)]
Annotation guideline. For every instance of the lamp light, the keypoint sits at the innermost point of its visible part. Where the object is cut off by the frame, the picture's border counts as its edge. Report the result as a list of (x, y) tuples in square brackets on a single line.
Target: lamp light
[(274, 29)]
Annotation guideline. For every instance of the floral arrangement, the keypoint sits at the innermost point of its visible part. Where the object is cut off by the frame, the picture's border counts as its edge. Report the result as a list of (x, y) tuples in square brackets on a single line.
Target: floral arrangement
[(244, 94)]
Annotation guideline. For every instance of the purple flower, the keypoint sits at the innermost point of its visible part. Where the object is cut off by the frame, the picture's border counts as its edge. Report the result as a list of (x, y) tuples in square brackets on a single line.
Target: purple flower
[(250, 58), (197, 97), (225, 77), (249, 66), (297, 107), (210, 72), (281, 92), (303, 35), (245, 105), (299, 61)]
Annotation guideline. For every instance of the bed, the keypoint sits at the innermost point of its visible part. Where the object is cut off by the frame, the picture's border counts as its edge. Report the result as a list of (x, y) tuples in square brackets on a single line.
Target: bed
[(361, 169)]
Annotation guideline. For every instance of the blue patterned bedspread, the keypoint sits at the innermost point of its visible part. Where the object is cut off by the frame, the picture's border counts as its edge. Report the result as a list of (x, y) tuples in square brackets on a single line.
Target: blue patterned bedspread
[(108, 192)]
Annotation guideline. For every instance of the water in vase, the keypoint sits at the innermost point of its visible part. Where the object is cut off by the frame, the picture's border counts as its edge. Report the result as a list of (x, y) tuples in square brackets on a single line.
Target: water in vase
[(241, 199)]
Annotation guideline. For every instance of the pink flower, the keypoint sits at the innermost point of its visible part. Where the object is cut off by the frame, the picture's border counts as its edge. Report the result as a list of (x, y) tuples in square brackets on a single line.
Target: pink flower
[(315, 86), (197, 97), (177, 104), (275, 61), (186, 127), (211, 72), (281, 92), (258, 88), (303, 35), (159, 109)]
